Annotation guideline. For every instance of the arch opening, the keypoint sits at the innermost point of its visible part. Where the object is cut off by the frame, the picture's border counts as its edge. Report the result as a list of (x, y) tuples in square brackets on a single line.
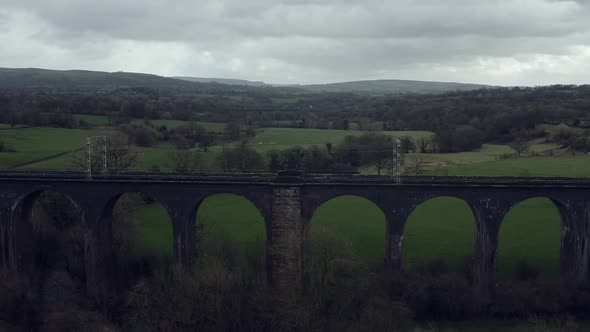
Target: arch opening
[(140, 229), (529, 241), (440, 231), (231, 234), (347, 228), (49, 242)]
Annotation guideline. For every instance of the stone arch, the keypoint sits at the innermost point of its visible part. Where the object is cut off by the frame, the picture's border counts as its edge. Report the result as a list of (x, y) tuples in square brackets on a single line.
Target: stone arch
[(152, 214), (229, 207), (354, 222), (232, 229), (521, 238), (24, 238), (443, 224)]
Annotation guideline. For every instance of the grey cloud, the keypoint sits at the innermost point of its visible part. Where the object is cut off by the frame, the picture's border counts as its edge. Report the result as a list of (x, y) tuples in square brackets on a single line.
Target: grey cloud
[(185, 19), (304, 40)]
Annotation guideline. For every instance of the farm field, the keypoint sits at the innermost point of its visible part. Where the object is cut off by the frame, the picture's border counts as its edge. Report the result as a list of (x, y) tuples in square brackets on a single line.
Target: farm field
[(439, 229), (241, 226), (441, 163), (37, 143), (570, 166), (171, 124), (282, 138), (94, 120), (33, 144)]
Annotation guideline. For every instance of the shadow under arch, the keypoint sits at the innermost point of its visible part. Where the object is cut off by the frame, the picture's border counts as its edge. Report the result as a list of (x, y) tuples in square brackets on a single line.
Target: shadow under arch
[(48, 233), (232, 235), (441, 228), (531, 232), (354, 224)]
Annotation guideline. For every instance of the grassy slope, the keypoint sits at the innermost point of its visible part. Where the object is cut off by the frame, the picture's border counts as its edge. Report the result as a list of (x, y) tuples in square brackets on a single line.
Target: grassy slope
[(555, 128), (43, 143), (36, 143), (578, 166)]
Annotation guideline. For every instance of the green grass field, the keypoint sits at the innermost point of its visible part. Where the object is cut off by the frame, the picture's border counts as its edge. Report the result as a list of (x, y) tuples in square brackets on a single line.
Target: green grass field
[(283, 138), (154, 234), (439, 229), (530, 230), (9, 126), (94, 120), (577, 166), (224, 216), (359, 223), (37, 143), (171, 124), (556, 128)]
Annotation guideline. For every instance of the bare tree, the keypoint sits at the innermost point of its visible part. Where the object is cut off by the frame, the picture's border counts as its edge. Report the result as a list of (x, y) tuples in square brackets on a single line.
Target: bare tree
[(418, 166), (423, 145), (186, 161), (121, 156), (520, 145)]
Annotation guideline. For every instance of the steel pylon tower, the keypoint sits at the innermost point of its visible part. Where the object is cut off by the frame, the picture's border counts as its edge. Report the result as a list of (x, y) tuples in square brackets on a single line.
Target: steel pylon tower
[(396, 160), (92, 143)]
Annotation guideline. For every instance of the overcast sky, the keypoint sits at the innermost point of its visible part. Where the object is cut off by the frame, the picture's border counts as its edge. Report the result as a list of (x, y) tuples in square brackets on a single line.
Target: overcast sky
[(502, 42)]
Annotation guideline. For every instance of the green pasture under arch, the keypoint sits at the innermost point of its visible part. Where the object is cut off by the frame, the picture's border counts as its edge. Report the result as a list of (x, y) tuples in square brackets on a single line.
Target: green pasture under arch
[(530, 231), (441, 228), (355, 221)]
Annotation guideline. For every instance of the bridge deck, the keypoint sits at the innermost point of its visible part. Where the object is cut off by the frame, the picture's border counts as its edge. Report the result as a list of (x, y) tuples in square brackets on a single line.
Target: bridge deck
[(270, 178)]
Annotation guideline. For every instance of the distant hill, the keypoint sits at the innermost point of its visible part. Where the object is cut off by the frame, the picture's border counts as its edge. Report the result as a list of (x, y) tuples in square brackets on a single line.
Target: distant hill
[(84, 80), (373, 87), (393, 86), (230, 81), (33, 78)]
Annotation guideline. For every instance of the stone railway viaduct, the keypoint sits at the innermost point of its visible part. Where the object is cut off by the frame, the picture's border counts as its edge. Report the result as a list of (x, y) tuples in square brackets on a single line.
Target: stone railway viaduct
[(287, 204)]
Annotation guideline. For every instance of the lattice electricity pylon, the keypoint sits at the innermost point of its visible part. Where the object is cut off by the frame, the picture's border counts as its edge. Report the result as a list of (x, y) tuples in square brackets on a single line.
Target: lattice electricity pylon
[(396, 160), (97, 143)]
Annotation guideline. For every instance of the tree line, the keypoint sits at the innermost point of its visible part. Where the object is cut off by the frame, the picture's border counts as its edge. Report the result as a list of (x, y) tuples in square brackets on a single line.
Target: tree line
[(462, 121)]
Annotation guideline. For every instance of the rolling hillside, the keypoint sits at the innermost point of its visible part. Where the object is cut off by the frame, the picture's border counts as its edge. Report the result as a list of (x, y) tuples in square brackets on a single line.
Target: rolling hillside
[(393, 86), (230, 81), (74, 80), (83, 80)]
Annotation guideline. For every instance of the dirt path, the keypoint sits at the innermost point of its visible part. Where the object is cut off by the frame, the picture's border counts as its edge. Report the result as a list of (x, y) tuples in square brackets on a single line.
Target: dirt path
[(31, 162)]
